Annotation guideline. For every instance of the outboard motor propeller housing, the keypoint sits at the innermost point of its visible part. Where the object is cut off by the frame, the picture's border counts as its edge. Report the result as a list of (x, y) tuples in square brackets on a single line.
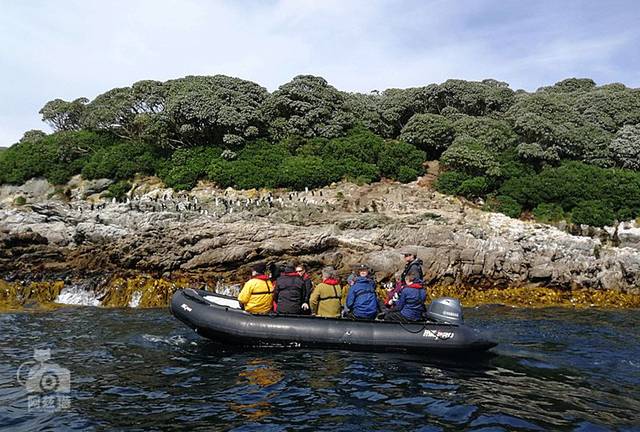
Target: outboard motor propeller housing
[(445, 310)]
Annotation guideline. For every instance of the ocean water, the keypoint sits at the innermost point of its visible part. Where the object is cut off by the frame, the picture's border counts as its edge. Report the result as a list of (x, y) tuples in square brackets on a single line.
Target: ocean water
[(140, 369)]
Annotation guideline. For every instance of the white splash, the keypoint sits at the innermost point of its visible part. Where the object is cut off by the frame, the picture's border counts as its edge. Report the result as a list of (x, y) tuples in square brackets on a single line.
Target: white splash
[(76, 295), (169, 340), (228, 290), (135, 299)]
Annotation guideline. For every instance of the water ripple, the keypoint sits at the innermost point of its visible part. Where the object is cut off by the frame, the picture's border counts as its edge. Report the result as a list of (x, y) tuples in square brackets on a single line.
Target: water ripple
[(139, 370)]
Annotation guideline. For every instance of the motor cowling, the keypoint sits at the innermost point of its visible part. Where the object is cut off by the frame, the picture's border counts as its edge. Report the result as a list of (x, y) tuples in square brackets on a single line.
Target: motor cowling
[(445, 310)]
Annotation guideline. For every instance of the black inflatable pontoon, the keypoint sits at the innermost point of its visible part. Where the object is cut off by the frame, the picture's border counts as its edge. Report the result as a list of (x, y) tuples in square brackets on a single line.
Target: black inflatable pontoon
[(220, 318)]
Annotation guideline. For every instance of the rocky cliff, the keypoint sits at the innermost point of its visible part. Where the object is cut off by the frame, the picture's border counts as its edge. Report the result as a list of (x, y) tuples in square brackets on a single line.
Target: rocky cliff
[(215, 235)]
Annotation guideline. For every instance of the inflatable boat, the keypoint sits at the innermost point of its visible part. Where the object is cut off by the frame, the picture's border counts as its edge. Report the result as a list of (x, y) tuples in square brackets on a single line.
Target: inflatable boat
[(221, 318)]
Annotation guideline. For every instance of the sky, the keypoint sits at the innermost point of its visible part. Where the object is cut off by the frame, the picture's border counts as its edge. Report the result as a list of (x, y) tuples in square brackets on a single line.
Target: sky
[(81, 48)]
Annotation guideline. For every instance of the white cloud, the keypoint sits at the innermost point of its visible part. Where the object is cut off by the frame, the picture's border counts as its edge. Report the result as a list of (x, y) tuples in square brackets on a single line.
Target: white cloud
[(79, 48)]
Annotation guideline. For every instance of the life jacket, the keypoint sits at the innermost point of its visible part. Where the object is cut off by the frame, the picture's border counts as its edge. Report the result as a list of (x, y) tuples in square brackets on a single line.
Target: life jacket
[(267, 290), (333, 283), (256, 296)]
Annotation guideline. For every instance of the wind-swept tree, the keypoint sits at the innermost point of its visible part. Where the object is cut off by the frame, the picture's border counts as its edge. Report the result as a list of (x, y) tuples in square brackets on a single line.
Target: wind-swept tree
[(215, 110), (470, 156), (64, 116), (432, 133), (308, 106), (495, 134), (610, 107), (136, 112), (625, 148), (474, 98)]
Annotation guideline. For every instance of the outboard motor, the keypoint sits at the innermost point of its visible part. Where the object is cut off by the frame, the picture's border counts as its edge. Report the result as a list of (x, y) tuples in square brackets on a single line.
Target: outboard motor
[(445, 310)]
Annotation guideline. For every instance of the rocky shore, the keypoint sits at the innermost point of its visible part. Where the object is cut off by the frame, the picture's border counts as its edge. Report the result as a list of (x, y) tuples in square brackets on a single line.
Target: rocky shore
[(209, 236)]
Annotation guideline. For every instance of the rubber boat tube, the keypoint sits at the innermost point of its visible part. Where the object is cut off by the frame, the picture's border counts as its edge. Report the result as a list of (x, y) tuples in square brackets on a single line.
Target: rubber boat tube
[(221, 319)]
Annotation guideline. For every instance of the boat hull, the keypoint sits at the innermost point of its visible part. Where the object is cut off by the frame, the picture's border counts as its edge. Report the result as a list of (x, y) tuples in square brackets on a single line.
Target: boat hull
[(227, 324)]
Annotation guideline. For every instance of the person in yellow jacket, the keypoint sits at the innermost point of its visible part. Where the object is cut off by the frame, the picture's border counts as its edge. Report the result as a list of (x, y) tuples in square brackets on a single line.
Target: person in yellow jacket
[(326, 298), (256, 295)]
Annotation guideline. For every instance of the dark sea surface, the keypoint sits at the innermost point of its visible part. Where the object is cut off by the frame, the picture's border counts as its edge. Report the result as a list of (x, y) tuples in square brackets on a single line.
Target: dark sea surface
[(135, 369)]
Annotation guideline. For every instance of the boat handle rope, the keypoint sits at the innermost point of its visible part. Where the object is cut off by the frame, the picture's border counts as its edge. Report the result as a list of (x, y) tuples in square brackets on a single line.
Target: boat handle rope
[(402, 324)]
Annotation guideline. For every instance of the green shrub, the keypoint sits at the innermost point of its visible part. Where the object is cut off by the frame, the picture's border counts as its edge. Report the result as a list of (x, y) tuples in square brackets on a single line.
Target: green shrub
[(19, 200), (510, 167), (546, 212), (407, 174), (626, 214), (473, 187), (396, 157), (118, 190), (494, 134), (573, 182), (121, 161), (449, 182), (592, 212), (57, 157), (506, 205), (186, 166), (360, 144), (181, 177), (298, 172), (354, 170), (221, 173), (258, 165)]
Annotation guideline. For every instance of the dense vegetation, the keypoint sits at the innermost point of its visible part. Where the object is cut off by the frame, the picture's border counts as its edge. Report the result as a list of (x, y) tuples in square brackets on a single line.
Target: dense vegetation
[(568, 151)]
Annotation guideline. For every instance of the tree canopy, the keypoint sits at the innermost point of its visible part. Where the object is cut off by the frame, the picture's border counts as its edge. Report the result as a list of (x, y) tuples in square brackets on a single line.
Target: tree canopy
[(493, 142)]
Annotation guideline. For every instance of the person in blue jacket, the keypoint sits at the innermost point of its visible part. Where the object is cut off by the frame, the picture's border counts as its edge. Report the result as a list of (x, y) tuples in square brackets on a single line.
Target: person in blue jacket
[(362, 302), (410, 305)]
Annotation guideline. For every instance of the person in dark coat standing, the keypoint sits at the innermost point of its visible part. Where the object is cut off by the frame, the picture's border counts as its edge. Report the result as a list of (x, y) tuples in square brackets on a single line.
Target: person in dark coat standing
[(289, 294), (412, 265), (308, 286)]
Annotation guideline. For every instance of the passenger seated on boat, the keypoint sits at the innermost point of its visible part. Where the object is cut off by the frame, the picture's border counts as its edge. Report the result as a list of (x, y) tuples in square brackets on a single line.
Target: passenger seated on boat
[(326, 298), (290, 292), (362, 302), (392, 293), (410, 305), (256, 295)]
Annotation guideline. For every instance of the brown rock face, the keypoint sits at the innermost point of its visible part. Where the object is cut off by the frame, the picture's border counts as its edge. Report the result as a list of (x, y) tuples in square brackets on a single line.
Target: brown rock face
[(215, 232)]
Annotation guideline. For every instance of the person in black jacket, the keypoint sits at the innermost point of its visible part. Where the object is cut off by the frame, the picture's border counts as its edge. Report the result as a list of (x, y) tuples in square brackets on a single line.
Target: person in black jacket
[(412, 265), (289, 294), (308, 286)]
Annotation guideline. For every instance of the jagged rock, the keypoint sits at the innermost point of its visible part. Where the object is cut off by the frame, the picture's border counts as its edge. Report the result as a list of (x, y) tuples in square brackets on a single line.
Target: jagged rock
[(21, 239), (541, 272), (629, 235), (34, 190), (480, 248)]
